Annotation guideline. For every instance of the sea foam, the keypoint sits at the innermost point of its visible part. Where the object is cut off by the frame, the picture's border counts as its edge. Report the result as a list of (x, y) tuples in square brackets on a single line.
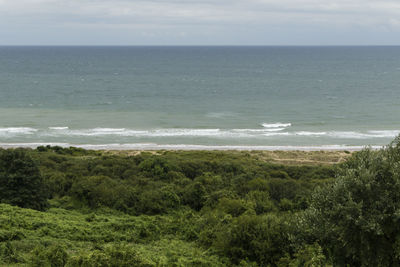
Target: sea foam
[(17, 130), (59, 128), (248, 133), (276, 125)]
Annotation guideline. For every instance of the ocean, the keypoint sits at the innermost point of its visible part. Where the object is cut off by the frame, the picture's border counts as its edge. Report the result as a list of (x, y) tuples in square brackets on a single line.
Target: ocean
[(200, 97)]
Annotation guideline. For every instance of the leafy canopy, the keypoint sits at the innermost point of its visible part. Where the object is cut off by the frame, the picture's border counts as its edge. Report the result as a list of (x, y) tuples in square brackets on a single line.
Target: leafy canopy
[(20, 181), (357, 218)]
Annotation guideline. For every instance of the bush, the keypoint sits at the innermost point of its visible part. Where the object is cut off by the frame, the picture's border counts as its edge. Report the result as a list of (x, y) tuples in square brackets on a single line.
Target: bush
[(234, 207), (257, 184), (112, 256), (9, 254), (257, 238), (53, 256), (262, 201), (284, 188), (157, 201), (156, 167), (195, 196), (309, 256), (285, 205), (21, 183), (357, 218)]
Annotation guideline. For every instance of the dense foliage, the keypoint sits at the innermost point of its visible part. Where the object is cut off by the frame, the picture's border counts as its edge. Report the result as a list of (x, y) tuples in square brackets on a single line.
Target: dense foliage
[(357, 218), (198, 208), (20, 180)]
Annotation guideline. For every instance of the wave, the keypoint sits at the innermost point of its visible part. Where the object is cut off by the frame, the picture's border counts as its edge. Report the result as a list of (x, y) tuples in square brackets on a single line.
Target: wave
[(389, 133), (364, 135), (304, 133), (351, 134), (277, 134), (64, 132), (17, 130), (154, 133), (59, 128), (276, 125), (274, 129), (226, 133), (257, 130)]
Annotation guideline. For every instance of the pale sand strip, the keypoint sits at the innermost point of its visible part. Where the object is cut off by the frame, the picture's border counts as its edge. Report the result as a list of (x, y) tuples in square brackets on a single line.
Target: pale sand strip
[(283, 155), (149, 146)]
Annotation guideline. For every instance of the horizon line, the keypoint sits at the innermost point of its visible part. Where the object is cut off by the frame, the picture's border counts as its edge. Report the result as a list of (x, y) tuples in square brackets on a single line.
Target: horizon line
[(199, 45)]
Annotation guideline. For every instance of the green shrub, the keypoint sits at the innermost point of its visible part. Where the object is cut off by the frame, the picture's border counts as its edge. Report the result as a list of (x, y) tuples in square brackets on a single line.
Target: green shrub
[(234, 207), (157, 201), (257, 238), (356, 219), (308, 256), (262, 201), (21, 183), (53, 256), (285, 205), (194, 195), (9, 254), (279, 174), (10, 235), (112, 256), (258, 184), (286, 188), (156, 167)]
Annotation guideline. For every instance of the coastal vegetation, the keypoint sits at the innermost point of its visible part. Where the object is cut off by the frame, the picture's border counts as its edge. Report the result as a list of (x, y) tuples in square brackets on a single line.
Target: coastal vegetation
[(75, 207)]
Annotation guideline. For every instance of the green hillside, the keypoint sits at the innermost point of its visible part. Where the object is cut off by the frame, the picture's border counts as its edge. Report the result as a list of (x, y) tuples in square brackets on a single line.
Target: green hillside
[(73, 207)]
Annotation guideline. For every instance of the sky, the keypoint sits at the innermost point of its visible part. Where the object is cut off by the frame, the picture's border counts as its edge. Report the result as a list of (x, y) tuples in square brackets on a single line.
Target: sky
[(200, 22)]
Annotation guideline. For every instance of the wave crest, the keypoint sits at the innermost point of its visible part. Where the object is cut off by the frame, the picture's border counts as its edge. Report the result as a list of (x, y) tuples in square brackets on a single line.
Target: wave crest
[(274, 131), (276, 125), (17, 130)]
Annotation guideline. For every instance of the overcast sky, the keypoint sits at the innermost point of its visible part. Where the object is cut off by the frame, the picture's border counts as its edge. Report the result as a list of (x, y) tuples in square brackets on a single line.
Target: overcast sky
[(200, 22)]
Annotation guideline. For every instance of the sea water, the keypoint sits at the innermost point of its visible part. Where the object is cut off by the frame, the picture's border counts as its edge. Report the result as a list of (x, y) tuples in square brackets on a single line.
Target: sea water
[(200, 97)]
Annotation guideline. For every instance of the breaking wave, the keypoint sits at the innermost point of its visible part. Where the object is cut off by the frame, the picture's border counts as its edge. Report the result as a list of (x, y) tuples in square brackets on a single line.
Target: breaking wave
[(274, 130), (276, 125), (15, 131)]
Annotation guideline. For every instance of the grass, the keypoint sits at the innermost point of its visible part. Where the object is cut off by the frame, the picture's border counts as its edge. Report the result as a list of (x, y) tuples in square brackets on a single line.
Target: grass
[(326, 157)]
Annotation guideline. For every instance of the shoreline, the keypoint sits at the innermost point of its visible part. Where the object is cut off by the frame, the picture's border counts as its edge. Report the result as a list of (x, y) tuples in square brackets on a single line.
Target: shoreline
[(184, 147)]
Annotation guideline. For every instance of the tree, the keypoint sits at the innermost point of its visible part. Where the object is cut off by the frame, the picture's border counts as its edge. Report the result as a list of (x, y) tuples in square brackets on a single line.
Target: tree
[(357, 218), (21, 183)]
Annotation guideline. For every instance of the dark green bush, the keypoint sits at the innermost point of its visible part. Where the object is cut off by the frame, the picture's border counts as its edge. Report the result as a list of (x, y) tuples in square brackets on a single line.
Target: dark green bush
[(262, 201), (21, 183), (356, 219), (284, 188), (194, 195), (234, 207), (52, 256), (112, 256), (308, 256), (9, 254), (257, 238), (10, 235)]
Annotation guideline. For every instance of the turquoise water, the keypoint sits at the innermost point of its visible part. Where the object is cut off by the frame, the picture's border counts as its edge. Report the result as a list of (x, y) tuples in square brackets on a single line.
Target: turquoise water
[(139, 97)]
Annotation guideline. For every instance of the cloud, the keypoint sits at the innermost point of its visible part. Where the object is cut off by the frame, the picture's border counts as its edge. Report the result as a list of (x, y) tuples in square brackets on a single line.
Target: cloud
[(202, 17)]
